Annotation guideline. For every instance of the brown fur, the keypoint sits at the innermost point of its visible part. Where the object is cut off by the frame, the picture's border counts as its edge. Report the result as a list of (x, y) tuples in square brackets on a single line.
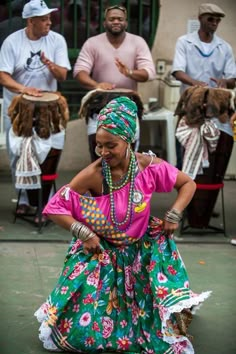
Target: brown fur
[(47, 117), (197, 103), (218, 104), (98, 99)]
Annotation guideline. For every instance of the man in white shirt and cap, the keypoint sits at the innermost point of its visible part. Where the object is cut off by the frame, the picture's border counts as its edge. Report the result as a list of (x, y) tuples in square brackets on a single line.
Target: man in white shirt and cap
[(32, 60), (204, 59)]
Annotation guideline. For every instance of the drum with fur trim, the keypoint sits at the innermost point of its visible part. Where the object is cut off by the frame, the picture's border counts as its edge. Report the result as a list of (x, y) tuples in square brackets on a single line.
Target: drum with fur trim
[(47, 114), (95, 100)]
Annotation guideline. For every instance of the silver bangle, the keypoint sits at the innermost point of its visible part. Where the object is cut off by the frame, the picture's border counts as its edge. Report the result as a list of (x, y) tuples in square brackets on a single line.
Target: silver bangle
[(173, 216), (81, 231)]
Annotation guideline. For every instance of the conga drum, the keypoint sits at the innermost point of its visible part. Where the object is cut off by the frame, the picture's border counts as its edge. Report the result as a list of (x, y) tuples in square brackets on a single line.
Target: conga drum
[(197, 107), (95, 100), (46, 116)]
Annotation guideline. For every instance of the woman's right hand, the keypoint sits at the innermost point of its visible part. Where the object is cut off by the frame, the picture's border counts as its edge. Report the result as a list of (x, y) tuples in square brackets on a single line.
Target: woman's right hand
[(92, 245)]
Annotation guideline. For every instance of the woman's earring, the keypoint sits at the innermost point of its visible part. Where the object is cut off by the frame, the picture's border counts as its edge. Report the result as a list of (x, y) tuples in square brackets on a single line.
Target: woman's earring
[(127, 152), (97, 152)]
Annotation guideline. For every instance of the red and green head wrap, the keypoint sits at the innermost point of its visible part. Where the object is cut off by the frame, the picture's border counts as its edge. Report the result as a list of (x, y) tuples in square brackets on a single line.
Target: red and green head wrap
[(118, 117)]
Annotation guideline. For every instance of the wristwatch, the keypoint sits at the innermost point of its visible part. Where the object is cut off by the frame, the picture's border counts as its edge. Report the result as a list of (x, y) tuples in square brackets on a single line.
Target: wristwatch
[(130, 72)]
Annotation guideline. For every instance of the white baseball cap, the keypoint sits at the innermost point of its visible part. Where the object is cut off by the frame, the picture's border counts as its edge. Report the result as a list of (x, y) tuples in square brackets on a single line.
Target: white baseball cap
[(36, 8)]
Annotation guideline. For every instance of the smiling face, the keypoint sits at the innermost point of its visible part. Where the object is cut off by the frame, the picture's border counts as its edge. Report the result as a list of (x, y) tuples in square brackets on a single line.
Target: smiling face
[(111, 147), (115, 22)]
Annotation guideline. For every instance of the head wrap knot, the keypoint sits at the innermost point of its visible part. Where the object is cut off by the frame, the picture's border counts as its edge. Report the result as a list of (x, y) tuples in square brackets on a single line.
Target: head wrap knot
[(118, 117)]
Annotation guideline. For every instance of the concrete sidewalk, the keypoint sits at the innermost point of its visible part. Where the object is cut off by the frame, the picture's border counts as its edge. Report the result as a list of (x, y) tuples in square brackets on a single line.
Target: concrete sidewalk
[(29, 272), (30, 264)]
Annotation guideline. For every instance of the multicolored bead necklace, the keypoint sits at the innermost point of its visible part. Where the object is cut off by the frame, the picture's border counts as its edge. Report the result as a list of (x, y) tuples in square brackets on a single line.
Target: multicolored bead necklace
[(120, 182), (130, 175)]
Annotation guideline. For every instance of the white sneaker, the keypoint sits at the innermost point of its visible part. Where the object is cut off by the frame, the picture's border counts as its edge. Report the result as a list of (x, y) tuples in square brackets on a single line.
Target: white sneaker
[(233, 241)]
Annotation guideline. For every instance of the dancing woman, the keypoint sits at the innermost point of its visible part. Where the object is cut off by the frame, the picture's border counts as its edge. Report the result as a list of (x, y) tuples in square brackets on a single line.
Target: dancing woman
[(123, 286)]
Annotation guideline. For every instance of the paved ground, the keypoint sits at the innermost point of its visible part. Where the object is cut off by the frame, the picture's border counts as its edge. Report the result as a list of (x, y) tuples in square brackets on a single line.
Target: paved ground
[(30, 264)]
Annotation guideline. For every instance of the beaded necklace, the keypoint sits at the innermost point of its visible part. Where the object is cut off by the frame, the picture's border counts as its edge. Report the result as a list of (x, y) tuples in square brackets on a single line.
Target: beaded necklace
[(120, 181), (130, 174)]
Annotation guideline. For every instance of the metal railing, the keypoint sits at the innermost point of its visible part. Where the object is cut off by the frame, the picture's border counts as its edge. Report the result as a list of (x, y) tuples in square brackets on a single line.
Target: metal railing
[(77, 20)]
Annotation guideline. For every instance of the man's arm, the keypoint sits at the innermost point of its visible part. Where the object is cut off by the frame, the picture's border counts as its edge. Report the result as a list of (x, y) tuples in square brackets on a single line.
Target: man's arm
[(83, 68), (187, 80), (230, 83), (139, 75), (7, 81), (87, 82), (57, 71), (144, 65), (224, 83)]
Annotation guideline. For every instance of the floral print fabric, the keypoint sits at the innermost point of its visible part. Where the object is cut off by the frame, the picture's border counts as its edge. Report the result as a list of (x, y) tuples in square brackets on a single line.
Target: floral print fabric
[(121, 300)]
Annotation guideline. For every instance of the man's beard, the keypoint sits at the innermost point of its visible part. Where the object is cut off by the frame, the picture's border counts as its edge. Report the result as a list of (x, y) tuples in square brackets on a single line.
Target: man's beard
[(115, 33)]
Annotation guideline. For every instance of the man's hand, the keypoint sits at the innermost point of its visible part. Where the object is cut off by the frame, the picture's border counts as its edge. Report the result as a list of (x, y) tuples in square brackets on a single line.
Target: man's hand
[(105, 86), (122, 67), (198, 83), (221, 83), (32, 91), (46, 61), (57, 71)]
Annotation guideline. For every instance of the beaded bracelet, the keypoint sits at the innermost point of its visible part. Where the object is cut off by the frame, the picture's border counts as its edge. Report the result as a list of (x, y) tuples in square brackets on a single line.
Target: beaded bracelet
[(81, 231), (173, 216)]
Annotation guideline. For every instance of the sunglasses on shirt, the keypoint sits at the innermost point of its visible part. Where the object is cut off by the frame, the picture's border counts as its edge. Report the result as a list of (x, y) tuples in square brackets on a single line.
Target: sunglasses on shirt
[(212, 19), (115, 7)]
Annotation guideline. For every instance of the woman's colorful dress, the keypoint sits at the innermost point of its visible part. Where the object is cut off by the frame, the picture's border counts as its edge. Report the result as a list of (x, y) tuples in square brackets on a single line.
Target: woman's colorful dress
[(126, 298)]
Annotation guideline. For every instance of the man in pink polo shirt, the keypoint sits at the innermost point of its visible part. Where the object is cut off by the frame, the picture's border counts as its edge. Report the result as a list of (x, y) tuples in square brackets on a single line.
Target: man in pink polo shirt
[(113, 59)]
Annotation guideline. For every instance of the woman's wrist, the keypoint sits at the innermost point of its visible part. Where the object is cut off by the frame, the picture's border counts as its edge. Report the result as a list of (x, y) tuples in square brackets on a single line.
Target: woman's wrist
[(81, 231), (173, 216)]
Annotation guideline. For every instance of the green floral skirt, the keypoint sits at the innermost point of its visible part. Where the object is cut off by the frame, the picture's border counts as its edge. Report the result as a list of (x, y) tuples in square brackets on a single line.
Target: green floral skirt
[(127, 299)]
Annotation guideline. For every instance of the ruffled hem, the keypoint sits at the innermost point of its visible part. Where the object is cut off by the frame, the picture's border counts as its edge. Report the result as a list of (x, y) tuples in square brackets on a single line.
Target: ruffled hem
[(192, 304), (179, 343), (45, 331)]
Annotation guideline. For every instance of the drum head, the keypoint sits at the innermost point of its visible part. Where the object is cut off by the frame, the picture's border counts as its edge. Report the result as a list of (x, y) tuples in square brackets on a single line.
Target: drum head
[(46, 97)]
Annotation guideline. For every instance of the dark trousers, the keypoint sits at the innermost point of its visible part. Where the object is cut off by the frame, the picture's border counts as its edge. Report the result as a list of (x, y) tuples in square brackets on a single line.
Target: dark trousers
[(199, 210)]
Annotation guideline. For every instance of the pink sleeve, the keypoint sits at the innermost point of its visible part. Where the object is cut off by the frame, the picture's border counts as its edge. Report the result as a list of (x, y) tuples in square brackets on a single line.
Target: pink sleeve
[(144, 58), (64, 202), (162, 176), (85, 60)]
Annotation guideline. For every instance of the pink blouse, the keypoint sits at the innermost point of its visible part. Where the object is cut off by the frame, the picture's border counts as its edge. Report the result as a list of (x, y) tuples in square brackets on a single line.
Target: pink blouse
[(95, 211)]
